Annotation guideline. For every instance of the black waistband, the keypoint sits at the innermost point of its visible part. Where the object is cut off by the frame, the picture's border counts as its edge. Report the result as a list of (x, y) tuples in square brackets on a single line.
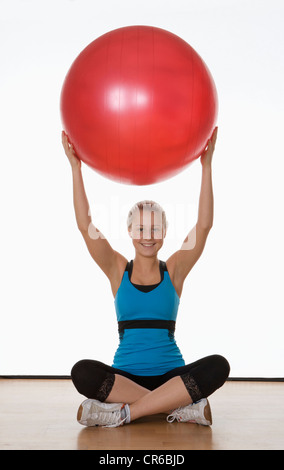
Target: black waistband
[(161, 324)]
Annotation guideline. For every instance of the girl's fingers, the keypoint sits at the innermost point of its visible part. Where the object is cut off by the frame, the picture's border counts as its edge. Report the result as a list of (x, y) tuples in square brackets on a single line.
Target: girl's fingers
[(68, 147), (65, 138), (214, 135)]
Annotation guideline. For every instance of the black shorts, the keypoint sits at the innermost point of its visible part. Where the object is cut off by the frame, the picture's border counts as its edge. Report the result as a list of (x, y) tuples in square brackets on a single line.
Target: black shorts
[(94, 379)]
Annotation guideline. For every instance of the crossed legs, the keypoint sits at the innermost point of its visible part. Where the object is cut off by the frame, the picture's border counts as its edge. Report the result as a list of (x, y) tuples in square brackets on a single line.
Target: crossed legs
[(144, 402), (177, 388)]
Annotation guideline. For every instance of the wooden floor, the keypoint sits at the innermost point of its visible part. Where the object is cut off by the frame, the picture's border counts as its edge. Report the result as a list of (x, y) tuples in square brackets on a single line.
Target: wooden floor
[(41, 414)]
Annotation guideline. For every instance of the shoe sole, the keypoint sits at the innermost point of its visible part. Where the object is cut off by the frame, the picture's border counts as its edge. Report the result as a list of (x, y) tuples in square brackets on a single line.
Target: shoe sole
[(207, 413), (79, 413)]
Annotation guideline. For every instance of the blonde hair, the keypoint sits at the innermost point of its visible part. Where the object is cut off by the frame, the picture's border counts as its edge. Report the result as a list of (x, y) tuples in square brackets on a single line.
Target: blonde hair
[(148, 205)]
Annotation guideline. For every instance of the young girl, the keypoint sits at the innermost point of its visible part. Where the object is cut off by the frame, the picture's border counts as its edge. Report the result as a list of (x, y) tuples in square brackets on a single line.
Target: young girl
[(148, 374)]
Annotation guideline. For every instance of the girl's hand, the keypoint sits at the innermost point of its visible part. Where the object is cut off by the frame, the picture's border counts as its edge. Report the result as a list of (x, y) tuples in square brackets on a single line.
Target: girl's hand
[(70, 152), (207, 154)]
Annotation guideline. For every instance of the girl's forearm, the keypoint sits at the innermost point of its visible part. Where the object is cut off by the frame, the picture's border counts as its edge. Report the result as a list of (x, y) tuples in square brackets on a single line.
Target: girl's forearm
[(81, 204), (206, 200)]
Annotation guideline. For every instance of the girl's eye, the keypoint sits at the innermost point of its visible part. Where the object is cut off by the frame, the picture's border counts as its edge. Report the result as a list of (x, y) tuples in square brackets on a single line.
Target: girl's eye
[(156, 229)]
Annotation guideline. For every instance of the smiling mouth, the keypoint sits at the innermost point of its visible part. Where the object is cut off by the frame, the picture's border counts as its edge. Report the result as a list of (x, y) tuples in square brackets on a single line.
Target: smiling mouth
[(148, 244)]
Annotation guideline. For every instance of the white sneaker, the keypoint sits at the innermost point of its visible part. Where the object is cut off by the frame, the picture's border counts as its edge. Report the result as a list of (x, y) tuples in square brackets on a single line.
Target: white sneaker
[(95, 413), (199, 413)]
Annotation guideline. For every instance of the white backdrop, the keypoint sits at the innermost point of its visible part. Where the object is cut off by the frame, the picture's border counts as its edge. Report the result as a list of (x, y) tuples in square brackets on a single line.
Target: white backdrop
[(56, 304)]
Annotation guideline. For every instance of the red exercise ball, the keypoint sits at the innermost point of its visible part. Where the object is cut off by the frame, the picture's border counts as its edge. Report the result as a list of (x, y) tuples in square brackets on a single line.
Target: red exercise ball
[(138, 104)]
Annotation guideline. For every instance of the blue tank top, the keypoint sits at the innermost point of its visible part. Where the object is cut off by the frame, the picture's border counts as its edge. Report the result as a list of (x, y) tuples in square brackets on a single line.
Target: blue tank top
[(147, 351)]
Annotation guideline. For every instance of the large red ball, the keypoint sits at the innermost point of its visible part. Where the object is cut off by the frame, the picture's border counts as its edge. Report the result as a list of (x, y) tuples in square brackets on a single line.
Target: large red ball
[(139, 104)]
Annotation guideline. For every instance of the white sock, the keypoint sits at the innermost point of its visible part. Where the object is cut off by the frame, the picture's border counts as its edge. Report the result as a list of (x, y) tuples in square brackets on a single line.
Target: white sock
[(125, 413)]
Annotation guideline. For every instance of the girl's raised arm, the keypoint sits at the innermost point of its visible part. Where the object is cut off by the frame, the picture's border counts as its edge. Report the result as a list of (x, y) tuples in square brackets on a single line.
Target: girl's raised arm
[(101, 251), (183, 260)]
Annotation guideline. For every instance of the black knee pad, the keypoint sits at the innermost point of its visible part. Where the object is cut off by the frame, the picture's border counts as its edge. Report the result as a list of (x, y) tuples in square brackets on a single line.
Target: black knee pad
[(92, 379), (219, 369), (210, 373)]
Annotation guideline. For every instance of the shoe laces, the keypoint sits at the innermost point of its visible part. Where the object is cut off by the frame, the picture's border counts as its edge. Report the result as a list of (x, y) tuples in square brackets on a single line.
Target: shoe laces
[(185, 413), (107, 419), (120, 422)]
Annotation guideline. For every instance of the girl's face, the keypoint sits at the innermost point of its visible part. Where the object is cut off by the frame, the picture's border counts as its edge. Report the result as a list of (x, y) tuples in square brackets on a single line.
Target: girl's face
[(147, 232)]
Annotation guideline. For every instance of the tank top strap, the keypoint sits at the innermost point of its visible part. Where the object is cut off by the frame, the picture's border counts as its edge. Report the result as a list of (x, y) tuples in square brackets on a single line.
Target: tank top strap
[(128, 266), (162, 266)]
